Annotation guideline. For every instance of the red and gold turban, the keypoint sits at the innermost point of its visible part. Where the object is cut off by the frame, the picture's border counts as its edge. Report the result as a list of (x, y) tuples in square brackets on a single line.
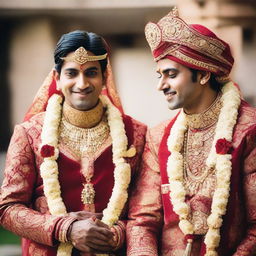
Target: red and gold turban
[(191, 45)]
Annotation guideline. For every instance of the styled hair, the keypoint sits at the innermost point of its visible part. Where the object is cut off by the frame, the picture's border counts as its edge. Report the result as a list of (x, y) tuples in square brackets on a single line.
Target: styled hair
[(214, 84), (73, 40)]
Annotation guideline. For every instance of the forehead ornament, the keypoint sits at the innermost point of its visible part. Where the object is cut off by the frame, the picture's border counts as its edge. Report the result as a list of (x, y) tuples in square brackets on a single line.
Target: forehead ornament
[(81, 56)]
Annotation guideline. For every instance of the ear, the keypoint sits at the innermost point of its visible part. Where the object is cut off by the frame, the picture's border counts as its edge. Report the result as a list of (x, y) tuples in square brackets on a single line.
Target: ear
[(204, 77), (56, 76)]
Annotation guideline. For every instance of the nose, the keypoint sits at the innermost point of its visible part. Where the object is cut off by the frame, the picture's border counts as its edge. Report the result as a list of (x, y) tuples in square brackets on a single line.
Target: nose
[(82, 82), (162, 84)]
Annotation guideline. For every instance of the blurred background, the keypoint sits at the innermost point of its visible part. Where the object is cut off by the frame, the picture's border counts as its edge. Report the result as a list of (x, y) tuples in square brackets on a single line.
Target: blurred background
[(29, 30)]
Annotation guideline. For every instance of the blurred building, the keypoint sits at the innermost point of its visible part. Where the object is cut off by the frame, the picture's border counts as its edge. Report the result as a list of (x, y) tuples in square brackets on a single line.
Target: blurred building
[(29, 30)]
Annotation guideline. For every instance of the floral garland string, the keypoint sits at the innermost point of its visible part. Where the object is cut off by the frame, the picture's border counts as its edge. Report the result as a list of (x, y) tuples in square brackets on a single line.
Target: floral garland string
[(49, 167), (219, 158)]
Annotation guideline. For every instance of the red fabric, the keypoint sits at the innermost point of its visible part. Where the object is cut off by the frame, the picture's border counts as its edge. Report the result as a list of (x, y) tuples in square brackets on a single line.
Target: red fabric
[(226, 246), (169, 214), (23, 205), (190, 52), (71, 179)]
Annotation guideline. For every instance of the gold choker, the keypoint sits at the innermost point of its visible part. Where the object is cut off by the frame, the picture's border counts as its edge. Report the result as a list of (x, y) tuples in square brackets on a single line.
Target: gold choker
[(206, 118), (83, 119)]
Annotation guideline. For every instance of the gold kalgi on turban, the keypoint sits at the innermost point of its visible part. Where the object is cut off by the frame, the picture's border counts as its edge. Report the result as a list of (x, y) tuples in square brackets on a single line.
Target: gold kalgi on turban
[(81, 56)]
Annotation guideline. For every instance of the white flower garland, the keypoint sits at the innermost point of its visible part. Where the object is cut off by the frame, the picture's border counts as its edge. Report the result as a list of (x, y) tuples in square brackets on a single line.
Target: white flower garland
[(222, 164), (49, 167)]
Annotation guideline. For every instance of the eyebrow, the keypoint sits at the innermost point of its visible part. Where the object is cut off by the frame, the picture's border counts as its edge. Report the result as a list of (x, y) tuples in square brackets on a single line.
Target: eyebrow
[(167, 70), (91, 68)]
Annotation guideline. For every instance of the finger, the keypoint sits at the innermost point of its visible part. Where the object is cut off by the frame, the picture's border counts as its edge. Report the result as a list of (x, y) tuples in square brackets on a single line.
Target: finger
[(101, 224), (90, 214), (97, 241), (100, 248), (99, 234), (82, 247), (98, 215)]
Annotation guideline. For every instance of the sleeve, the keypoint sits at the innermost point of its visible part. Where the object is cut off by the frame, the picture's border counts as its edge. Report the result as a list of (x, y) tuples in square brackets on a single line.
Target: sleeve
[(145, 208), (139, 142), (17, 194), (119, 234), (248, 245)]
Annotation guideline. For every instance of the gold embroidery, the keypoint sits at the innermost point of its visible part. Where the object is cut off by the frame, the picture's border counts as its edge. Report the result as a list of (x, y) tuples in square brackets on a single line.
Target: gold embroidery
[(153, 35), (208, 66), (178, 33), (174, 30), (200, 181)]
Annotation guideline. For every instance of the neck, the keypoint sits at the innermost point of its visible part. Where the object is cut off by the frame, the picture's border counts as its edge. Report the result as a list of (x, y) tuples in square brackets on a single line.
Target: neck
[(205, 100), (206, 118), (83, 119)]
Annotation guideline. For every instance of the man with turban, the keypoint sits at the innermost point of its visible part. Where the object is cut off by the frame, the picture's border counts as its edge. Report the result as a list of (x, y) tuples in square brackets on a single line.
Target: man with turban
[(196, 193), (70, 163)]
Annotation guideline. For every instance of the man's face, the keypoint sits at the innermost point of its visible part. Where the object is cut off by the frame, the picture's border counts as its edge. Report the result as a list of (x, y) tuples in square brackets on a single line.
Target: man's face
[(176, 83), (80, 84)]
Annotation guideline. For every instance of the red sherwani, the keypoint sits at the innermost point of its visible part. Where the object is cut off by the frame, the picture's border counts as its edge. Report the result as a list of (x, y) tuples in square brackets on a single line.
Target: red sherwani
[(153, 229), (23, 205)]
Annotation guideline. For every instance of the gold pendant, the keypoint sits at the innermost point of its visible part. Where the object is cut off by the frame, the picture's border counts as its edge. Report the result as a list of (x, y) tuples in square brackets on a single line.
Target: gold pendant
[(88, 194), (188, 247)]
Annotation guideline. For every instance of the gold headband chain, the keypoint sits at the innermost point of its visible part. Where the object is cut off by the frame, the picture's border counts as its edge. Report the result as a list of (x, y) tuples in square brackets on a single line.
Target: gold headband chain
[(81, 56)]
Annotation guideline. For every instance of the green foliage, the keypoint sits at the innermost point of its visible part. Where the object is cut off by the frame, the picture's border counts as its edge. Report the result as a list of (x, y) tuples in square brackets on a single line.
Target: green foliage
[(7, 237)]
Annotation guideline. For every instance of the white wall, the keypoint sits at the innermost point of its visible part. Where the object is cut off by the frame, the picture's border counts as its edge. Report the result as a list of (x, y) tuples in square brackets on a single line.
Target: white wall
[(136, 79), (30, 61)]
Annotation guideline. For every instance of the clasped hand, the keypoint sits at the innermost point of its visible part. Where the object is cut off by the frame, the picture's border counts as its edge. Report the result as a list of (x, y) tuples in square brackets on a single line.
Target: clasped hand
[(89, 234)]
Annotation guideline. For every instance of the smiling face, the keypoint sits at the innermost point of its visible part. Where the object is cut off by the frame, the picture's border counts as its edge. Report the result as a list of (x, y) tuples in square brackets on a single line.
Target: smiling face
[(81, 85), (178, 87)]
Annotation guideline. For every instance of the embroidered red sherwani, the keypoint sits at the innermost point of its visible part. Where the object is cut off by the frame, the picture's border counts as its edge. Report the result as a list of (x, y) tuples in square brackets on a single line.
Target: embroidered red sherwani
[(153, 229), (23, 206)]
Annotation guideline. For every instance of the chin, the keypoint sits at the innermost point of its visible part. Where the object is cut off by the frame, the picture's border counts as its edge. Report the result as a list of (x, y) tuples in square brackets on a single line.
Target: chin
[(173, 107)]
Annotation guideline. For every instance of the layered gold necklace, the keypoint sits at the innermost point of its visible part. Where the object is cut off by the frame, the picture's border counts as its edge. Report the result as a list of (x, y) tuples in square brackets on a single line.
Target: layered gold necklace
[(83, 131)]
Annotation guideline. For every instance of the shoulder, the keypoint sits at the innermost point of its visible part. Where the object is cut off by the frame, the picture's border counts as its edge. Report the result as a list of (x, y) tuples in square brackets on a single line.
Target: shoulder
[(246, 122), (156, 133), (138, 127), (246, 117), (32, 126)]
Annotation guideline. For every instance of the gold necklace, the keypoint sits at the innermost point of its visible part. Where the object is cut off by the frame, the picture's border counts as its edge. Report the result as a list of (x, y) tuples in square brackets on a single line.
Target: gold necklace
[(83, 119), (207, 118), (84, 140)]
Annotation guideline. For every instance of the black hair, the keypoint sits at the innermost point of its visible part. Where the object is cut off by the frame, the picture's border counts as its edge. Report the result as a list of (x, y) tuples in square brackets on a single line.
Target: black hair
[(214, 84), (73, 40)]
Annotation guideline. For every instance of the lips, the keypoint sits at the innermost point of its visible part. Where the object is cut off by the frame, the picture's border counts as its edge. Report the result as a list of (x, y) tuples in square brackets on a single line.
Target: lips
[(169, 94), (84, 92)]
